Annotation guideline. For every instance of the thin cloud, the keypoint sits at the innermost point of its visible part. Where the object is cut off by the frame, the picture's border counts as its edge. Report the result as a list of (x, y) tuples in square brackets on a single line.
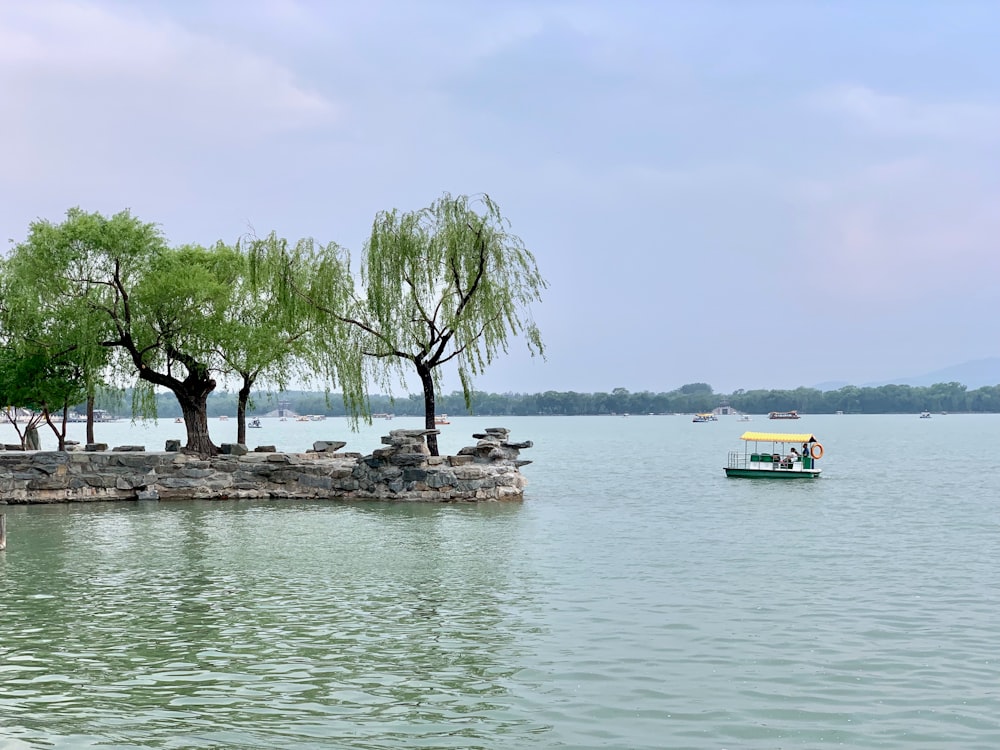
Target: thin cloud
[(893, 115), (157, 73)]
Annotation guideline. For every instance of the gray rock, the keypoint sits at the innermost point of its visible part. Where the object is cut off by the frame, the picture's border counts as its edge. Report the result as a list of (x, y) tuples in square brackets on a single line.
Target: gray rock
[(328, 446), (411, 474), (172, 446), (233, 449), (407, 459), (323, 483), (130, 449), (93, 447)]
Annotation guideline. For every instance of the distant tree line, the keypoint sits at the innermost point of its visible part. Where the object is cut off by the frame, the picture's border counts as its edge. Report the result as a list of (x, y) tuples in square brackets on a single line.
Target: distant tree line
[(688, 399)]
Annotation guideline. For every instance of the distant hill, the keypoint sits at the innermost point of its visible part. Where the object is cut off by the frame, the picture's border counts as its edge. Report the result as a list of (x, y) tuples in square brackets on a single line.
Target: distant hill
[(974, 374)]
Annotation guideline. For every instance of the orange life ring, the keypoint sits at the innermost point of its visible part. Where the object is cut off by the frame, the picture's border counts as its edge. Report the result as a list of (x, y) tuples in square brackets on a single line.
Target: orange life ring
[(816, 451)]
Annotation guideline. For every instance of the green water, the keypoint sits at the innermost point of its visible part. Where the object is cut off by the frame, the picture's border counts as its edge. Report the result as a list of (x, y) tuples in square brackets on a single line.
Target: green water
[(636, 599)]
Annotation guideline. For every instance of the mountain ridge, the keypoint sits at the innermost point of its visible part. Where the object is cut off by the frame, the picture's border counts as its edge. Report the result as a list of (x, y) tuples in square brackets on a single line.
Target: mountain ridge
[(976, 373)]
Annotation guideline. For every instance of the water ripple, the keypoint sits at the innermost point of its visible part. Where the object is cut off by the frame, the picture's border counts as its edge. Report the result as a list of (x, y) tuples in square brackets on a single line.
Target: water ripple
[(628, 603)]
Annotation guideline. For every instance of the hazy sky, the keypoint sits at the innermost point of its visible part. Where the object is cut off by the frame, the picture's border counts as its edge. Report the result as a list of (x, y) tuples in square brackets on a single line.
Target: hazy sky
[(748, 194)]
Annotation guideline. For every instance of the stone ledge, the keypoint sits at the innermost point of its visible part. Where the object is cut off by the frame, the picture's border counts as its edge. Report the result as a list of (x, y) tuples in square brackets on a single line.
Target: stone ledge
[(403, 470)]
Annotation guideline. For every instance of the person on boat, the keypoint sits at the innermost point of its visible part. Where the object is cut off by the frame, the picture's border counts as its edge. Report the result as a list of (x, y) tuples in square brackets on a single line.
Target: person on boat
[(791, 458)]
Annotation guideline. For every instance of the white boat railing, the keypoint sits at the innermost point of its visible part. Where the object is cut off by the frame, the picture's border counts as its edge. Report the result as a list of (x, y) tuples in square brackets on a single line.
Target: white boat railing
[(764, 462)]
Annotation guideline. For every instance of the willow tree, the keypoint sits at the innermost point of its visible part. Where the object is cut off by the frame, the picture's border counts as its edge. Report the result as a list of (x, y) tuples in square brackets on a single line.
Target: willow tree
[(301, 296), (156, 309), (445, 285), (42, 382), (260, 342), (52, 330)]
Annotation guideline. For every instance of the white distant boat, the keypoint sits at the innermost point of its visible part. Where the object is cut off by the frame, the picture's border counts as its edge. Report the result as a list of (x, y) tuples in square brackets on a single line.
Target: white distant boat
[(925, 415), (744, 418)]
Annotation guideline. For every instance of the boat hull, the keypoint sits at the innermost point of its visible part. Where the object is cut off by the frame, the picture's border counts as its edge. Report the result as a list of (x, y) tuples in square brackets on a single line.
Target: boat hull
[(772, 473)]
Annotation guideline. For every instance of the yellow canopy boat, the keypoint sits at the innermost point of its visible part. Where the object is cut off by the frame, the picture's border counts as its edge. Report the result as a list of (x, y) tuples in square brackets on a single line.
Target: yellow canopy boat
[(776, 455)]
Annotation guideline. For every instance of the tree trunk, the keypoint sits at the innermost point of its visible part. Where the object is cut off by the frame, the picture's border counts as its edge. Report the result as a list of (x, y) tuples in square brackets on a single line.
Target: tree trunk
[(58, 430), (427, 381), (90, 418), (194, 407), (192, 395), (62, 427), (241, 411)]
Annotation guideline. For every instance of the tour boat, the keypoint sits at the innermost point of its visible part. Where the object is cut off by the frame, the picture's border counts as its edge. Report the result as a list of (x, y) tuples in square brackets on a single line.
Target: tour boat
[(254, 423), (925, 415), (783, 415), (744, 418), (771, 456), (705, 418), (441, 419)]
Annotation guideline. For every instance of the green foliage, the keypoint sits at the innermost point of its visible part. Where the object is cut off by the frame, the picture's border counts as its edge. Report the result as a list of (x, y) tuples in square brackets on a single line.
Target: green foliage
[(449, 282), (129, 308), (692, 388), (302, 295)]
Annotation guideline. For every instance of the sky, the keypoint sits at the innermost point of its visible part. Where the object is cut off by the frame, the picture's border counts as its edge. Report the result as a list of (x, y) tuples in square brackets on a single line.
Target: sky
[(742, 193)]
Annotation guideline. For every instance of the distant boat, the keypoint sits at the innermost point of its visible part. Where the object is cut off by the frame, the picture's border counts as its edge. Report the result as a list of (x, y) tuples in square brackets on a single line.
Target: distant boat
[(840, 413), (441, 419), (925, 415), (254, 423), (179, 420), (783, 415), (223, 418), (709, 417), (744, 418)]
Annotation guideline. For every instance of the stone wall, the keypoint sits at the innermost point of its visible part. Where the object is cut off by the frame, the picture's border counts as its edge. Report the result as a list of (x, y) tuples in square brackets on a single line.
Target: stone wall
[(404, 470)]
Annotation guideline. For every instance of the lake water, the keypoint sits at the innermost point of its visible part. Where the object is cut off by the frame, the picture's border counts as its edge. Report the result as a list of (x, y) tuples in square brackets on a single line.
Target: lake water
[(637, 598)]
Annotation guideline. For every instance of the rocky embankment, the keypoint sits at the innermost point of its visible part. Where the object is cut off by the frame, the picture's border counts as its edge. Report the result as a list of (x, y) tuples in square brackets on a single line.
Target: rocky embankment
[(403, 470)]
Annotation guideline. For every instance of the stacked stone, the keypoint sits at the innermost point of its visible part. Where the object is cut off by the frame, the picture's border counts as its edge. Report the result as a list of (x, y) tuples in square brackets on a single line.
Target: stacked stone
[(54, 476), (493, 446)]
